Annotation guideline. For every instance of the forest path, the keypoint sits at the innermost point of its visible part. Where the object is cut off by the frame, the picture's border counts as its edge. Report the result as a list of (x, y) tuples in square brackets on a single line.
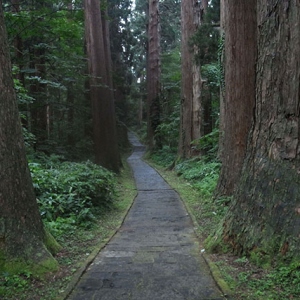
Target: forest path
[(155, 254)]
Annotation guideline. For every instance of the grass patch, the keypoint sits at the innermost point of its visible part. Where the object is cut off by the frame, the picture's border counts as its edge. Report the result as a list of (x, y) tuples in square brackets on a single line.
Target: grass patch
[(77, 242)]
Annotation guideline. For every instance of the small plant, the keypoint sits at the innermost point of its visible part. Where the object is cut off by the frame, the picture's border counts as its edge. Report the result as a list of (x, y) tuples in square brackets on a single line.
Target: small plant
[(281, 283), (200, 173), (242, 260), (164, 157), (11, 283)]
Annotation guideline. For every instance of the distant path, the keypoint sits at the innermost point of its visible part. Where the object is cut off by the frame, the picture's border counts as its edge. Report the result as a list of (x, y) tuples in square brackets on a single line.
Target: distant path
[(155, 254)]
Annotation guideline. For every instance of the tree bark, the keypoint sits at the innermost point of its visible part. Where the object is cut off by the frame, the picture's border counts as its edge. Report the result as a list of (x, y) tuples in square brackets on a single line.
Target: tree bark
[(191, 84), (222, 81), (22, 235), (240, 57), (264, 216), (40, 109), (18, 44), (103, 111), (153, 73)]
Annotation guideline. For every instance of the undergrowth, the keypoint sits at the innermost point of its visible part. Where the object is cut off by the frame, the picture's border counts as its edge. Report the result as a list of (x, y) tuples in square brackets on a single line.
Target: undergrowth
[(202, 174), (74, 192)]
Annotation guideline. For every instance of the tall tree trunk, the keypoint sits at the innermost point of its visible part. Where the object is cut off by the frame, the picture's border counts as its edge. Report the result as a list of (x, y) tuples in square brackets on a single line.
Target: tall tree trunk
[(18, 44), (22, 236), (264, 217), (103, 111), (191, 84), (222, 81), (153, 72), (40, 109), (240, 56), (109, 71), (38, 91), (204, 100)]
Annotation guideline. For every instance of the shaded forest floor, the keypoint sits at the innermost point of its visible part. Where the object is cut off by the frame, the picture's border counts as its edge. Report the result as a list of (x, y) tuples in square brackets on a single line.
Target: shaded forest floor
[(245, 280)]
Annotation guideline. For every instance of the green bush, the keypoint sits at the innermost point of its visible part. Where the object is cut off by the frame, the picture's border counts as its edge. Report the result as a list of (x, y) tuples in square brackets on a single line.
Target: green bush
[(165, 156), (277, 284), (71, 189), (200, 173), (208, 144)]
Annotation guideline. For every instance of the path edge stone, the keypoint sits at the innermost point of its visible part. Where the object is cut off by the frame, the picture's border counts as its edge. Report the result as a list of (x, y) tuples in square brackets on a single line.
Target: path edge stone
[(214, 269), (84, 265)]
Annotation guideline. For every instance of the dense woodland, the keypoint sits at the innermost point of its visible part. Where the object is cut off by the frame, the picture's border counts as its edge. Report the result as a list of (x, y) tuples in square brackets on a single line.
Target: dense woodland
[(211, 87)]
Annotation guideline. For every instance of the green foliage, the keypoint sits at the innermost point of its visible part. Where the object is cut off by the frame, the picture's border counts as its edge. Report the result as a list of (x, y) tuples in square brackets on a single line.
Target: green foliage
[(75, 191), (29, 138), (12, 283), (47, 53), (213, 12), (21, 92), (61, 225), (164, 157), (171, 72), (169, 11), (206, 43), (24, 286), (209, 143), (168, 130), (23, 101), (211, 72), (201, 174), (206, 39), (280, 283), (122, 44)]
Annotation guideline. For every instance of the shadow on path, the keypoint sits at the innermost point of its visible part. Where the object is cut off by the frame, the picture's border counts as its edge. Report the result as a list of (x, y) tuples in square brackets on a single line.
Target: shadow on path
[(155, 254)]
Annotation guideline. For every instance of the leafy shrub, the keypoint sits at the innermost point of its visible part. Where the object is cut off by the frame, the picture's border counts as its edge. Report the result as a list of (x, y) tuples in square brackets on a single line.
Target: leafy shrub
[(200, 173), (280, 283), (168, 129), (165, 156), (12, 283), (72, 189), (211, 72), (209, 143)]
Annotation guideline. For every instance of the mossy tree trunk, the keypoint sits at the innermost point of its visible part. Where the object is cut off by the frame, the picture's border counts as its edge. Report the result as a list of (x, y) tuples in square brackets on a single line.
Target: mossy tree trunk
[(264, 218), (237, 106), (22, 236)]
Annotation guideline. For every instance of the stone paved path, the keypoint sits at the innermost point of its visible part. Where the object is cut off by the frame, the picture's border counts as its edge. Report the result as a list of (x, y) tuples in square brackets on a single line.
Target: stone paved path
[(155, 254)]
